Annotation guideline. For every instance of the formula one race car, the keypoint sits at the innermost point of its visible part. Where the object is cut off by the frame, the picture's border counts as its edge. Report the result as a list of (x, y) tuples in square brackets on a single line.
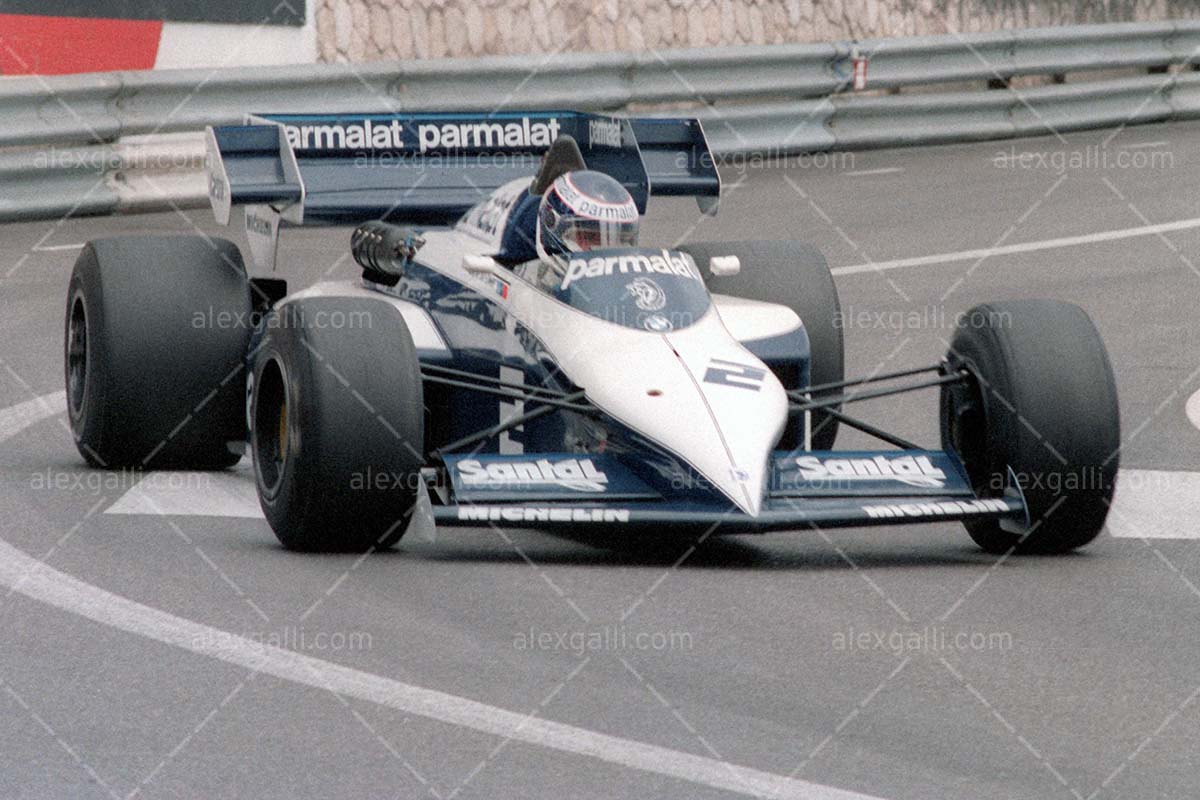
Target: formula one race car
[(514, 355)]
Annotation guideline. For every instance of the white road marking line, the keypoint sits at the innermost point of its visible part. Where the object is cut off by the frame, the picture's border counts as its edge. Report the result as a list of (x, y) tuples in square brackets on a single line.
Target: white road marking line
[(1024, 247), (880, 171), (199, 494), (1193, 409), (1156, 504), (36, 580), (1150, 503), (15, 419), (226, 494), (1139, 145), (54, 248)]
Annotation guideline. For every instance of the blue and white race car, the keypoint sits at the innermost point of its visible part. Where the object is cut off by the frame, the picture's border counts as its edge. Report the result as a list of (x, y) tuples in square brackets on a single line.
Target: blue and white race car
[(515, 355)]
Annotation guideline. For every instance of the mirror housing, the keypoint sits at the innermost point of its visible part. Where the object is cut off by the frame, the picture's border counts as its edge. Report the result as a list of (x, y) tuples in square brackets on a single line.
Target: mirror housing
[(722, 266), (480, 265)]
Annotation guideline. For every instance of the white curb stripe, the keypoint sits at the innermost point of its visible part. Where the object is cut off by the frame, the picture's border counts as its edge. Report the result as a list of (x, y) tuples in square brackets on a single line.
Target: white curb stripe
[(15, 419), (1192, 409), (197, 494), (1155, 504)]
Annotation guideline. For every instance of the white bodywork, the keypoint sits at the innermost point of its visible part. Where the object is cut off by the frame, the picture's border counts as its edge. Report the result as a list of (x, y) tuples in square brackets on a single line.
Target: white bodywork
[(654, 383), (421, 327)]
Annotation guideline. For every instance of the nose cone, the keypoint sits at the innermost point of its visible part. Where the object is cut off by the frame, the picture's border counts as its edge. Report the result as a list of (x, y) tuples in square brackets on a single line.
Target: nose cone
[(698, 393), (745, 402)]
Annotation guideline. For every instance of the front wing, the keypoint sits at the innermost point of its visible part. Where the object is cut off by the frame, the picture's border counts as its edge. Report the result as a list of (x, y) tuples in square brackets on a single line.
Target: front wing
[(807, 490), (779, 515)]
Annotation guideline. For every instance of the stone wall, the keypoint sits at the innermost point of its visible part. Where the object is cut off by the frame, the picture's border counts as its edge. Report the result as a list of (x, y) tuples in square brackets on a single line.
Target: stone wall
[(369, 30)]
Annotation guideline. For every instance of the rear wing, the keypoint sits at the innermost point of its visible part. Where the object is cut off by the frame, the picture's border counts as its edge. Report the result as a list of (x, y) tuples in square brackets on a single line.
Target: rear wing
[(429, 169)]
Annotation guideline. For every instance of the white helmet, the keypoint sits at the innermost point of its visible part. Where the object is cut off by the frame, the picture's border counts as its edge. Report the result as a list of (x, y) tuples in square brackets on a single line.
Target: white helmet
[(585, 210)]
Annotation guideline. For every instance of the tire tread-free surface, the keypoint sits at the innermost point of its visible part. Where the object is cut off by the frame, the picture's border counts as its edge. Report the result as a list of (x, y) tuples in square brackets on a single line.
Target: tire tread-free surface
[(168, 321), (355, 424), (1046, 407)]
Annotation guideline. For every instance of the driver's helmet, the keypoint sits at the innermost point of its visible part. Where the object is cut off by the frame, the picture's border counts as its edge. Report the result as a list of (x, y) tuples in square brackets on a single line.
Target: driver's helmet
[(585, 210)]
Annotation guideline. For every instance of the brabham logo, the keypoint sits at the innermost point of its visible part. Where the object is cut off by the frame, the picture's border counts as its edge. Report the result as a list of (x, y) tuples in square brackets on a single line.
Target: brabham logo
[(667, 262), (389, 134), (945, 508), (910, 470), (648, 295), (541, 514), (578, 474)]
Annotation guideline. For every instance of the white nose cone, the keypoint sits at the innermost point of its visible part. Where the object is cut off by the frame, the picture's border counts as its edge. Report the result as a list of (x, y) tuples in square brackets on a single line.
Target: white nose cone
[(747, 406), (696, 392)]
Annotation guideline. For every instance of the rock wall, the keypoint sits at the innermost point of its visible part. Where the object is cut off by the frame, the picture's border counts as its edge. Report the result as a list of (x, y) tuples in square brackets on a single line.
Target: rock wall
[(369, 30)]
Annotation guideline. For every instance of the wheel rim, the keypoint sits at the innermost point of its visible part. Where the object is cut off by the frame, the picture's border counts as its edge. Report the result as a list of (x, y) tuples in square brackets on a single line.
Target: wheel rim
[(282, 439), (77, 347), (271, 425), (966, 424)]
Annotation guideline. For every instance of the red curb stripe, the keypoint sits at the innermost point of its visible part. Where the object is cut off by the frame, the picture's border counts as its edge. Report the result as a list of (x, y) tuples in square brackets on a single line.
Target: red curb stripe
[(35, 45)]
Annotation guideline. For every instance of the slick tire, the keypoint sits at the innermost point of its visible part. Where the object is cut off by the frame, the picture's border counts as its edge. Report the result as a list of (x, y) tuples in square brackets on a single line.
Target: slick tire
[(795, 275), (156, 334), (1042, 401), (337, 424)]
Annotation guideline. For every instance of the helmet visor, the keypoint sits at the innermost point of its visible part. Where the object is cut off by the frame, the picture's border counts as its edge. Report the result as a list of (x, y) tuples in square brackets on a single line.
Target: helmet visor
[(581, 235)]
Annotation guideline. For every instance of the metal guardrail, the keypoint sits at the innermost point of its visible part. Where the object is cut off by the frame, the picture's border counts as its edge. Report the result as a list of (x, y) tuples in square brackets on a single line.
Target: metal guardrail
[(71, 144)]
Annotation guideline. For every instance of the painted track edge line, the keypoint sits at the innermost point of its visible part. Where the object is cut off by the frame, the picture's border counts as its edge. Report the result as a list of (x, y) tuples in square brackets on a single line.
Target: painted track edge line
[(15, 419), (1192, 409), (1023, 247), (36, 580)]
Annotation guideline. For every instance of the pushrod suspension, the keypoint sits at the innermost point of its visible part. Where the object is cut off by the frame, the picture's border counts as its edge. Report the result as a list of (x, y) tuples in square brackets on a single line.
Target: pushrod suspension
[(841, 399), (434, 370), (553, 402), (871, 430), (887, 376), (511, 422)]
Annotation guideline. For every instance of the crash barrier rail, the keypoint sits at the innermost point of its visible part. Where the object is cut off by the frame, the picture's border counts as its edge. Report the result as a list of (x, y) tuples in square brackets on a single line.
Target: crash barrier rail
[(110, 142)]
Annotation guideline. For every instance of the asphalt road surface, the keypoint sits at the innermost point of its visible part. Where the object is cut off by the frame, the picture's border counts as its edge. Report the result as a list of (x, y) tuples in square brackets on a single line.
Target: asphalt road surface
[(184, 654)]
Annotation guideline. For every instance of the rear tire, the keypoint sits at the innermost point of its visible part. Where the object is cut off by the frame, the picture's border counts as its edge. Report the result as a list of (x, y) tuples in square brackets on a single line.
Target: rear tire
[(156, 334), (338, 425), (1042, 400), (795, 275)]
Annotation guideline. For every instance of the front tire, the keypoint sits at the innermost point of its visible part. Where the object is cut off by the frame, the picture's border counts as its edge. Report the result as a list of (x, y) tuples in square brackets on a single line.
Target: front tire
[(795, 275), (156, 334), (1042, 401), (337, 415)]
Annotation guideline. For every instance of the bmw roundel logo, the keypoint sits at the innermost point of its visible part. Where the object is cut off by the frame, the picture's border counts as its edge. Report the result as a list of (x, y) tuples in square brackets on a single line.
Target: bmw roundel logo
[(657, 323)]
